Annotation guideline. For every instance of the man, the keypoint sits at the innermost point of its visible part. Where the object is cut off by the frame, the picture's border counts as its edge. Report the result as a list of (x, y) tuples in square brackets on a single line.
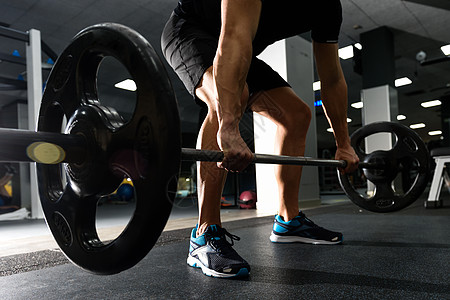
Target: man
[(212, 46)]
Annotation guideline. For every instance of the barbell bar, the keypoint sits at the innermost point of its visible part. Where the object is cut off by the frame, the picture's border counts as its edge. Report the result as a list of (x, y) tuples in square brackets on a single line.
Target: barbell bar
[(54, 148), (217, 156)]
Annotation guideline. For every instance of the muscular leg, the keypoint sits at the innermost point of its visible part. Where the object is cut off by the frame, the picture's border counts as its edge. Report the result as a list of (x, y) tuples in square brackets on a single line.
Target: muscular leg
[(292, 117), (210, 178)]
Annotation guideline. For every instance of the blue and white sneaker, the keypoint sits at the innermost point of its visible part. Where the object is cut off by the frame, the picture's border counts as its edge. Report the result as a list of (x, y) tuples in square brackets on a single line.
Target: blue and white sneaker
[(302, 230), (214, 254)]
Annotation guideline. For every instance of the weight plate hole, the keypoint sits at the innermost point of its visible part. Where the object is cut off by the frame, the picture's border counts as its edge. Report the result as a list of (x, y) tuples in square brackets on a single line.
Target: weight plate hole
[(116, 91), (182, 190), (114, 211), (377, 141)]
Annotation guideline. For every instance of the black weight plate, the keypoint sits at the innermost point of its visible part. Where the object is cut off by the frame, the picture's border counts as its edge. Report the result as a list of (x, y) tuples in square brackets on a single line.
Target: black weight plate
[(408, 151), (146, 149)]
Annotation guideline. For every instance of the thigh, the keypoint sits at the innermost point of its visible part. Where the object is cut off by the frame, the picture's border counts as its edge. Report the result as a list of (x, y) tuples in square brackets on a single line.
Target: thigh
[(261, 77), (189, 49)]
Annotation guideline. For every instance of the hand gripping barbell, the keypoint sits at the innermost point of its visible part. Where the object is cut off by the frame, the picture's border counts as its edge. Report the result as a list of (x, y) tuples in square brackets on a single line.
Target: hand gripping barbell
[(97, 149)]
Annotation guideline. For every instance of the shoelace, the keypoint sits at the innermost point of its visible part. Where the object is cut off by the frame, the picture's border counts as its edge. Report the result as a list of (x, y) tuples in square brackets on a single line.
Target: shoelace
[(310, 223), (220, 242)]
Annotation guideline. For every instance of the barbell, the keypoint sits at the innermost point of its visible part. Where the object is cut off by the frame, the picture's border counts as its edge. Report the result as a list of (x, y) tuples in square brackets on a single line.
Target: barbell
[(88, 158)]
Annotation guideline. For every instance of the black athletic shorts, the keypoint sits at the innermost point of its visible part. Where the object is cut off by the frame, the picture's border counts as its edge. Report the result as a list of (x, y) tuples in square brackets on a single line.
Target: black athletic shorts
[(190, 37)]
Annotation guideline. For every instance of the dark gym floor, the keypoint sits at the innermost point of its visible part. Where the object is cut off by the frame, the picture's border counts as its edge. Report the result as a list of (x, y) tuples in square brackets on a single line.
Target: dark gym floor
[(402, 255)]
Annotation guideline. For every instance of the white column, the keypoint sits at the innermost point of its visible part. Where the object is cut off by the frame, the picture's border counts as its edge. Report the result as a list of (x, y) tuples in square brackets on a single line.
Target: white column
[(34, 91), (379, 104), (436, 183), (293, 60)]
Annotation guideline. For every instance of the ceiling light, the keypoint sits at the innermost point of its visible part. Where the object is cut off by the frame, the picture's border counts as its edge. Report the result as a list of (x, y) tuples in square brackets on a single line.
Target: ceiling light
[(358, 46), (402, 81), (330, 129), (417, 126), (346, 52), (127, 84), (401, 117), (316, 86), (349, 120), (431, 103), (357, 105), (446, 49), (435, 132)]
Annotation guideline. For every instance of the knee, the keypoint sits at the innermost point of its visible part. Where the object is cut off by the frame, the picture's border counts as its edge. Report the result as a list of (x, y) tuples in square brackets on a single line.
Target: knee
[(297, 118)]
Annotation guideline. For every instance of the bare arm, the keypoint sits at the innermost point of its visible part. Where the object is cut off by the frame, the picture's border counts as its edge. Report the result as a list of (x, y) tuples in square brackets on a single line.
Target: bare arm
[(334, 98), (239, 24)]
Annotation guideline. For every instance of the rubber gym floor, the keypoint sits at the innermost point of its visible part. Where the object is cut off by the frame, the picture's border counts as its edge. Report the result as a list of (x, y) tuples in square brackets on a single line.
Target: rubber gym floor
[(401, 255)]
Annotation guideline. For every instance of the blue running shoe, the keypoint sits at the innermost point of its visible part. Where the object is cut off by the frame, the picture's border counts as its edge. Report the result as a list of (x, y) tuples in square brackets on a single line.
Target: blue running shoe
[(214, 254), (302, 230)]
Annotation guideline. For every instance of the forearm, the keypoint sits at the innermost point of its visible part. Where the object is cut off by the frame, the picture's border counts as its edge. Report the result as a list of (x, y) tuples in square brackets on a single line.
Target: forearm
[(334, 99), (240, 20), (230, 69)]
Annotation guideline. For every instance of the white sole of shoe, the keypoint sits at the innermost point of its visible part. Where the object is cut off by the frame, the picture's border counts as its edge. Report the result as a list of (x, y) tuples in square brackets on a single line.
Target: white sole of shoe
[(193, 262), (297, 239)]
